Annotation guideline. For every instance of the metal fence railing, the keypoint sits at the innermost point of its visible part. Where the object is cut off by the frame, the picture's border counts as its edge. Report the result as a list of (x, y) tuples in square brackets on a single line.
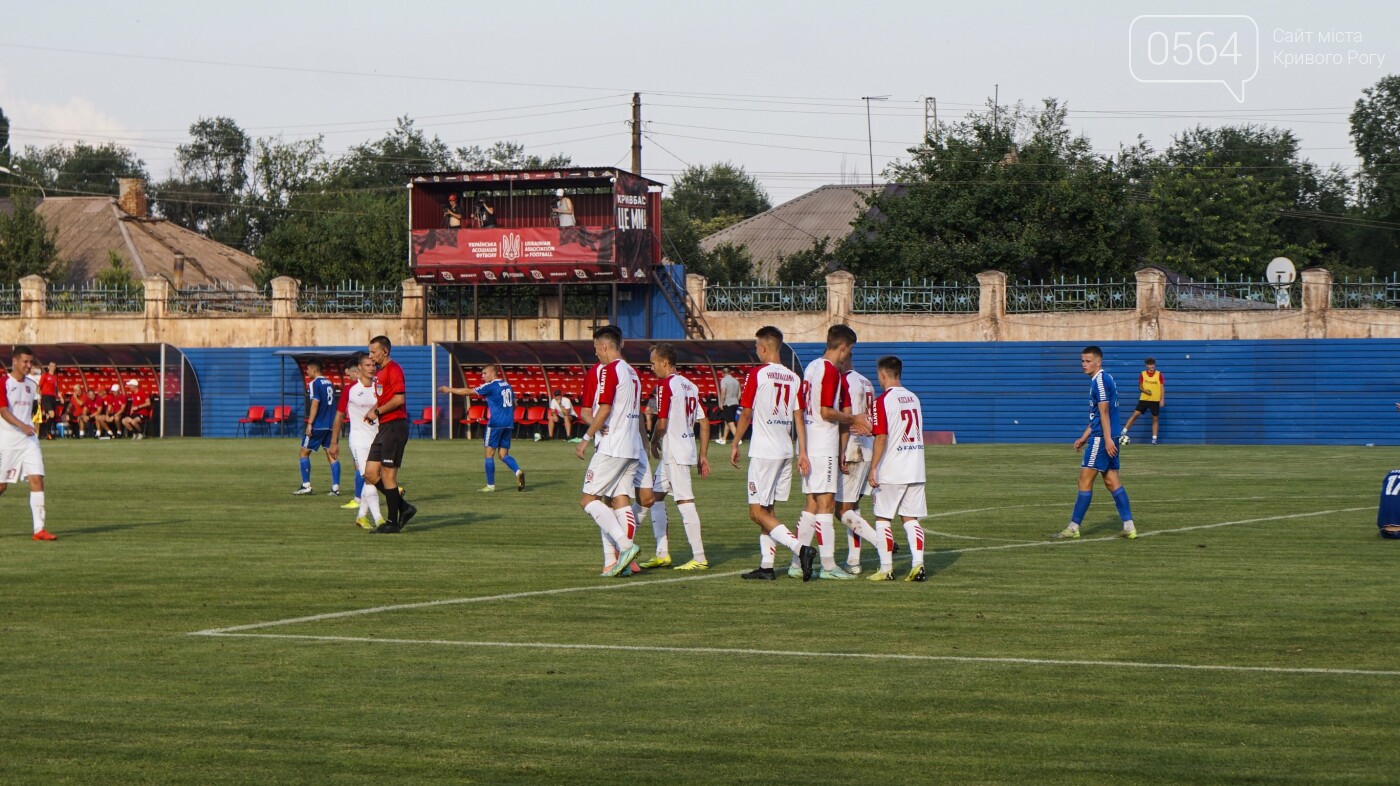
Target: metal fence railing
[(917, 298), (761, 296), (9, 299), (1079, 294), (1383, 293), (350, 297), (96, 299), (1226, 295), (220, 300)]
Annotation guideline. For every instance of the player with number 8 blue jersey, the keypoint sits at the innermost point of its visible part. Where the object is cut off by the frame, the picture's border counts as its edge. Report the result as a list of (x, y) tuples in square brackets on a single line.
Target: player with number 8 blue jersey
[(1100, 450)]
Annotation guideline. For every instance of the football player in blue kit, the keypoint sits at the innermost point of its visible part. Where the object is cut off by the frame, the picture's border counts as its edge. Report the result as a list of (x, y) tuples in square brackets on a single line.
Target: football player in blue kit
[(318, 428), (1100, 451)]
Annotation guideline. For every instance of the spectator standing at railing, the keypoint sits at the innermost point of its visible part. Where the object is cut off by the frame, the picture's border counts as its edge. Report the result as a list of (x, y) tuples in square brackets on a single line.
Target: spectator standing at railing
[(452, 214), (563, 209), (48, 399), (318, 428)]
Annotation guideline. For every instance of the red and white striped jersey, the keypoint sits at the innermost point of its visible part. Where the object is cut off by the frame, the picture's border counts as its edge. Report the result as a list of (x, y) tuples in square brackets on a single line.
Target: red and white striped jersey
[(680, 405), (823, 387), (19, 397), (862, 395), (619, 386), (898, 415), (775, 394)]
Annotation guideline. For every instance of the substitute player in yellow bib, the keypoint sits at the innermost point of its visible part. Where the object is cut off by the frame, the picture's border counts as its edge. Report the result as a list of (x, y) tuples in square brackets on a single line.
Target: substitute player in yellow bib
[(1152, 395)]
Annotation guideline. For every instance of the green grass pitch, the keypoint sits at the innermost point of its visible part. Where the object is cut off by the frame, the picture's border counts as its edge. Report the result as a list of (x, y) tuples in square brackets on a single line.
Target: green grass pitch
[(1032, 663)]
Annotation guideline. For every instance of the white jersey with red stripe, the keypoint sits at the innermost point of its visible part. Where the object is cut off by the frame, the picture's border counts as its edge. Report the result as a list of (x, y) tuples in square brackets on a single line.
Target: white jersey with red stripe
[(862, 395), (822, 387), (19, 397), (775, 394), (359, 400), (897, 415), (680, 405), (619, 386)]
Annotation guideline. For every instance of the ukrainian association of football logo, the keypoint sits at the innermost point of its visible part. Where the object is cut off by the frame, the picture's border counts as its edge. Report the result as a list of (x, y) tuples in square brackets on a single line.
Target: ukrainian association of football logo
[(510, 246)]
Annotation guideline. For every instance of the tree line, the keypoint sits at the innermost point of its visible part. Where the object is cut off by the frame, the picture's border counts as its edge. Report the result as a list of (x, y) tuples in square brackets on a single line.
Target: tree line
[(1009, 188)]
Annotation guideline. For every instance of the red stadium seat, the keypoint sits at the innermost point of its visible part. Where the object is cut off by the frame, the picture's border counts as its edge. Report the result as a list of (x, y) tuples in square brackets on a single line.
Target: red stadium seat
[(425, 420), (280, 416), (253, 418)]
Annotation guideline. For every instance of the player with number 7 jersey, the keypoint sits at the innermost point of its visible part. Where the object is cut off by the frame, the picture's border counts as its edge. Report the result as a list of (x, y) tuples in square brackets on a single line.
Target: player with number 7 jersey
[(897, 472)]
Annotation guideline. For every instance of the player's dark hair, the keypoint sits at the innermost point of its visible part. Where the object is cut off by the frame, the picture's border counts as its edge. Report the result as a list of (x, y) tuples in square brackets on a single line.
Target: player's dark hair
[(891, 365), (1150, 362), (770, 333), (316, 364), (609, 333), (1091, 350), (383, 342), (666, 352), (22, 350), (356, 359), (840, 336)]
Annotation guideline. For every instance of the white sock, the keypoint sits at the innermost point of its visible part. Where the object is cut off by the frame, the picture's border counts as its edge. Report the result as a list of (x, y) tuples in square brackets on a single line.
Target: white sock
[(784, 538), (603, 516), (858, 525), (627, 524), (36, 507), (659, 521), (884, 543), (916, 541), (369, 500), (1128, 526), (690, 517), (766, 549), (826, 539), (806, 531), (852, 548), (639, 513), (609, 550)]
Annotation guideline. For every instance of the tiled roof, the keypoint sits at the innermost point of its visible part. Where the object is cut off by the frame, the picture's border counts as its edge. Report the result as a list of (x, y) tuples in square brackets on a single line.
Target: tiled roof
[(794, 225), (89, 227)]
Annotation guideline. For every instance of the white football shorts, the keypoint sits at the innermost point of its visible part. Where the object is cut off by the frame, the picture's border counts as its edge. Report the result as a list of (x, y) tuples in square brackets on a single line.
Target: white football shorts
[(825, 477), (675, 480), (855, 483), (18, 462), (770, 480), (610, 476), (644, 478), (896, 499), (359, 453)]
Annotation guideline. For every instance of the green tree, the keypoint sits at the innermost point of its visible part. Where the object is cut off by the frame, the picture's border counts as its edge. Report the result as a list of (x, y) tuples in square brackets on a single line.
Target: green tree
[(81, 169), (703, 200), (117, 274), (1375, 133), (280, 170), (329, 238), (27, 246), (507, 155), (1009, 189), (808, 265), (387, 162), (206, 192)]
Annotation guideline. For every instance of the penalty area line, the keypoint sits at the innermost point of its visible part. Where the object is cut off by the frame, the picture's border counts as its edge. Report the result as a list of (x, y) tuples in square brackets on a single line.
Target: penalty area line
[(816, 654)]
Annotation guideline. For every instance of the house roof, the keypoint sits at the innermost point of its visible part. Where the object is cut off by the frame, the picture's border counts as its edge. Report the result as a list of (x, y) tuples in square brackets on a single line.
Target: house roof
[(89, 227), (794, 225)]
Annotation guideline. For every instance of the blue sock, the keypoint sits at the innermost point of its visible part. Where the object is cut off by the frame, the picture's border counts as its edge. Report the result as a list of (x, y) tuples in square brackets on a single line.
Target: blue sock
[(306, 471), (1120, 500), (359, 484), (510, 462), (490, 472), (335, 473), (1081, 506)]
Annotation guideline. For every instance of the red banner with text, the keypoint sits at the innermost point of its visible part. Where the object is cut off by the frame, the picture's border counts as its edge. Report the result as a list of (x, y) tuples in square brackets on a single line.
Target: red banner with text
[(525, 255)]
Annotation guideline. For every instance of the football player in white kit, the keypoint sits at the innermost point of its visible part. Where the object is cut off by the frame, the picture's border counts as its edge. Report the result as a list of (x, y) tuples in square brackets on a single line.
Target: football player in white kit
[(615, 433), (897, 469), (19, 446), (772, 403), (674, 446), (827, 414), (356, 400), (855, 469)]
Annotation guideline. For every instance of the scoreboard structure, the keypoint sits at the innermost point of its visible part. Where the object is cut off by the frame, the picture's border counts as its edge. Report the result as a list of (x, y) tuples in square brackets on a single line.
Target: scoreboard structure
[(505, 227)]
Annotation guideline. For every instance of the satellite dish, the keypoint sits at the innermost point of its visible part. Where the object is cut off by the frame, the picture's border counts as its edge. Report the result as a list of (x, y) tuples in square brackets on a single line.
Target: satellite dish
[(1280, 271)]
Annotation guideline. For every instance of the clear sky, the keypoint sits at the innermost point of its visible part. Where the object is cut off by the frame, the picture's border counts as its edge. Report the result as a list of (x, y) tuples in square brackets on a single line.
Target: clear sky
[(773, 86)]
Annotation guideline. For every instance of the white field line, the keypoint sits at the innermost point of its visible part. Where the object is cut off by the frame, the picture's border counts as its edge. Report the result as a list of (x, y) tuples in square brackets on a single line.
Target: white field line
[(602, 587), (802, 654)]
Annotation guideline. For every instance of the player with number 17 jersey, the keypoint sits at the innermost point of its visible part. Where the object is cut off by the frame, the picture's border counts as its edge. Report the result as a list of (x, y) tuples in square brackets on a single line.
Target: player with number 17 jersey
[(823, 386)]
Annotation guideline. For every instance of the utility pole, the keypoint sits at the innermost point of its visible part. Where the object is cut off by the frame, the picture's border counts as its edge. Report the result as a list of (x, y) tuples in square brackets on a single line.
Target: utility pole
[(930, 118), (870, 136), (637, 134), (996, 106)]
